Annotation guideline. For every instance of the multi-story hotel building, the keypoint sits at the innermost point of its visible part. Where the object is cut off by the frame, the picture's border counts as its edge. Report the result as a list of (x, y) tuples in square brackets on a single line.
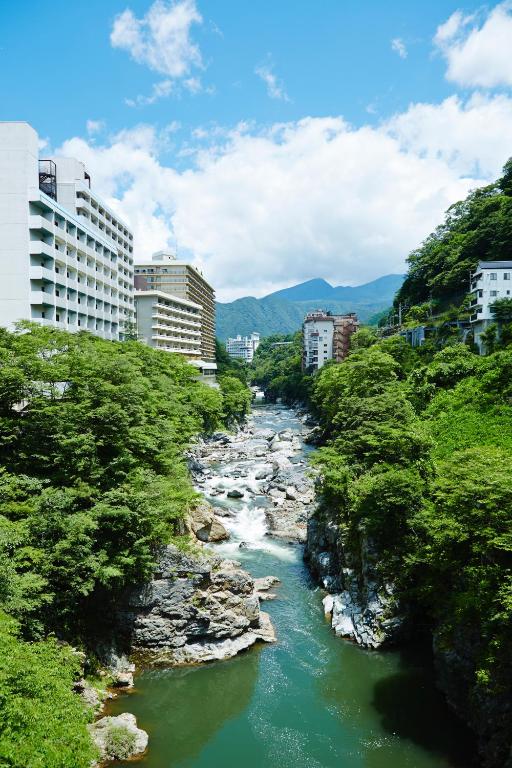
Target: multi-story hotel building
[(176, 310), (164, 273), (326, 337), (66, 259), (243, 347)]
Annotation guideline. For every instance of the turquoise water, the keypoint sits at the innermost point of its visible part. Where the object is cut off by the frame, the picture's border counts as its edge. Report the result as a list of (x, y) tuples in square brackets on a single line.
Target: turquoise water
[(311, 700)]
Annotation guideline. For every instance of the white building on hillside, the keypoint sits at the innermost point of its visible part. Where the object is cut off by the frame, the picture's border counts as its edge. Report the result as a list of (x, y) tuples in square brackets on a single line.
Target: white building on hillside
[(66, 259), (491, 280), (243, 347)]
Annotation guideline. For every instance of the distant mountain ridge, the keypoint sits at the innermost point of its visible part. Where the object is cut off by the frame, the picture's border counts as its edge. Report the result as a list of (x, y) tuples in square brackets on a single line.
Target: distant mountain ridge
[(283, 311)]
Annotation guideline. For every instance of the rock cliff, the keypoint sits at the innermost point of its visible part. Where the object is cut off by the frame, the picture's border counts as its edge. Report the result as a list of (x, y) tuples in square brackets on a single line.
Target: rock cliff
[(196, 608), (360, 605)]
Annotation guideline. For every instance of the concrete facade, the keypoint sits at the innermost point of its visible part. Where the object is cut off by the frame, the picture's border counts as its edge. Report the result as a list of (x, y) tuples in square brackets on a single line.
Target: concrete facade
[(66, 259)]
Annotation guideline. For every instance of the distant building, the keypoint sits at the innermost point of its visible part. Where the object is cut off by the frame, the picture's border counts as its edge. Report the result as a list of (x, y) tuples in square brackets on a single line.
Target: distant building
[(66, 258), (326, 337), (491, 280), (243, 347), (176, 310)]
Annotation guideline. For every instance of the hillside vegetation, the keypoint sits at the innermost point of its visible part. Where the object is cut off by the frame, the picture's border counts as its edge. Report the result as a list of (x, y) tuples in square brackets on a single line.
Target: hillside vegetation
[(92, 482), (478, 228), (417, 461)]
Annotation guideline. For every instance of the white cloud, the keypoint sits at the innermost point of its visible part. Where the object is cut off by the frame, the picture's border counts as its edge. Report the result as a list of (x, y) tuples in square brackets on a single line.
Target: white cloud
[(159, 91), (275, 87), (398, 45), (161, 39), (260, 209), (478, 51), (94, 126)]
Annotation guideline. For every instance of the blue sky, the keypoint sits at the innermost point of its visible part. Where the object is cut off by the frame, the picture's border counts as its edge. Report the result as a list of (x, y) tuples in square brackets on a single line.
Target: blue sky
[(373, 95), (333, 56)]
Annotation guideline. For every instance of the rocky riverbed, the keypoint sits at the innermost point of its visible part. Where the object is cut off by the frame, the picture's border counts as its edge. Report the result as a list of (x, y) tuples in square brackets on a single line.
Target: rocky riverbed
[(201, 606), (258, 468)]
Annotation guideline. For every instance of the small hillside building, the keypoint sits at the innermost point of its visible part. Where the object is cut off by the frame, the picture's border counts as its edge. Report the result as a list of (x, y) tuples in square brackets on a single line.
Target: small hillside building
[(491, 280)]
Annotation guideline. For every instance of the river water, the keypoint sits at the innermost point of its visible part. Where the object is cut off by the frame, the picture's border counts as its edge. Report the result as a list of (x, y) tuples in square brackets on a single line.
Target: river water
[(311, 700)]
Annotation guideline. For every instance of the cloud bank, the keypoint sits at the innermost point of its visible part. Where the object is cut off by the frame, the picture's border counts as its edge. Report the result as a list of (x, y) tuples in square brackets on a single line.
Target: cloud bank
[(261, 209)]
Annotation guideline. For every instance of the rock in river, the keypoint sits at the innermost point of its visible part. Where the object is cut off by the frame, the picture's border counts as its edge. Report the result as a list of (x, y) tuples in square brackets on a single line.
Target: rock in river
[(118, 738), (196, 608)]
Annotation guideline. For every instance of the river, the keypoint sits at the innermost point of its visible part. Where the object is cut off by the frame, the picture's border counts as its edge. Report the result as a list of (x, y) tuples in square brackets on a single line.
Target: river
[(311, 700)]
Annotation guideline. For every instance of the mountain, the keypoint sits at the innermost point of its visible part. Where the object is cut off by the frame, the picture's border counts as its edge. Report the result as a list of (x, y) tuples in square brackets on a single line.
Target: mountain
[(283, 311)]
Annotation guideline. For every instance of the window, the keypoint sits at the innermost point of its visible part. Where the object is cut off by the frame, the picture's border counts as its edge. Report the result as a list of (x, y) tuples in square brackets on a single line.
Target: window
[(493, 293), (57, 317), (493, 276), (506, 275)]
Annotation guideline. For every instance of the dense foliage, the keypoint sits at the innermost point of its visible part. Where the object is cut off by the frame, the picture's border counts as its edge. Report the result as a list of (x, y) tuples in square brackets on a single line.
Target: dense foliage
[(42, 722), (92, 482), (277, 368), (417, 460), (478, 228)]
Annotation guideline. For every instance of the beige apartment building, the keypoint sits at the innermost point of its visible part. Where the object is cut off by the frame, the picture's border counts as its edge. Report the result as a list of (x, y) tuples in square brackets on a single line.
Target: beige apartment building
[(164, 273)]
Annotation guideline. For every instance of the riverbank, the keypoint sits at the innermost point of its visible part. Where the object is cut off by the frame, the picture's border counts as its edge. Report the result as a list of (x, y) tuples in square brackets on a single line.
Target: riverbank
[(310, 700)]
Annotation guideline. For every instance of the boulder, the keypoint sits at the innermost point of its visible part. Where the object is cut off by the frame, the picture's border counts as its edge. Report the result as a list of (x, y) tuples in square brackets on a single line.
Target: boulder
[(235, 493), (204, 525), (265, 582), (122, 680), (264, 472), (118, 738)]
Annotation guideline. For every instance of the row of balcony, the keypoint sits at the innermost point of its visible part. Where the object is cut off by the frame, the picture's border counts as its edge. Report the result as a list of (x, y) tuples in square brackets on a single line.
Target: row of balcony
[(75, 258), (177, 339), (179, 331), (179, 350), (40, 223), (84, 205), (93, 203), (83, 278), (109, 331), (169, 319), (177, 310)]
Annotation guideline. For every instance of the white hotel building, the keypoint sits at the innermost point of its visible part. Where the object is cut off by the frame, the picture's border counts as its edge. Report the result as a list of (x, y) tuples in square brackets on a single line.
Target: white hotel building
[(66, 259)]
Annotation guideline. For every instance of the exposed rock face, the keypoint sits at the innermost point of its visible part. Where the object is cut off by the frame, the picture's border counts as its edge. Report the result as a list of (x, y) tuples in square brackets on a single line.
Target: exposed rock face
[(118, 737), (197, 608), (361, 607)]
